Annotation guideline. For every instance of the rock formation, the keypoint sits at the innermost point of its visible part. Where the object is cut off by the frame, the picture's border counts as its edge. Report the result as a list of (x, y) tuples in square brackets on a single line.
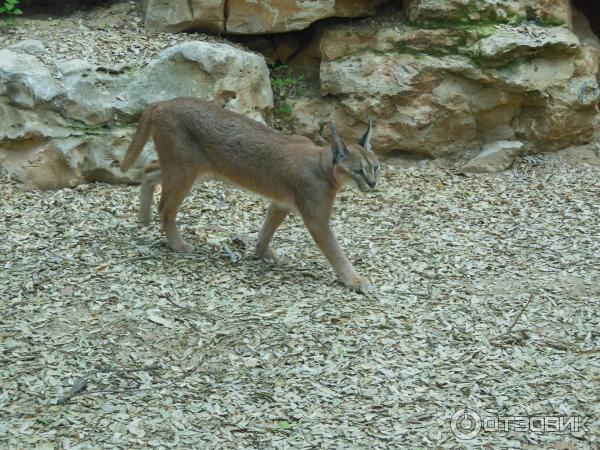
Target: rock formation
[(74, 127), (451, 80), (249, 17)]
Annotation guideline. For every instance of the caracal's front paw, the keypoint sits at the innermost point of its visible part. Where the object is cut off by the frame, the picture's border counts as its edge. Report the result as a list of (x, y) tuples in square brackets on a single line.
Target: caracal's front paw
[(182, 247), (360, 284)]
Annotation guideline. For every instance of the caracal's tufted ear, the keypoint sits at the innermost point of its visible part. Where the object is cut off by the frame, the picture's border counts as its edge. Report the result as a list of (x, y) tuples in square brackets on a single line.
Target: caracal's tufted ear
[(365, 140), (338, 148)]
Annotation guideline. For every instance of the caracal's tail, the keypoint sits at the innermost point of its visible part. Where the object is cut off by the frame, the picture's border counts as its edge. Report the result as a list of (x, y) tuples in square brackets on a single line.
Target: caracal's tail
[(139, 139)]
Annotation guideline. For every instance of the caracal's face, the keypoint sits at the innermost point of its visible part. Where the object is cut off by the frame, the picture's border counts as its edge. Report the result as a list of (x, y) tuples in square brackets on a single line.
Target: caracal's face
[(360, 168)]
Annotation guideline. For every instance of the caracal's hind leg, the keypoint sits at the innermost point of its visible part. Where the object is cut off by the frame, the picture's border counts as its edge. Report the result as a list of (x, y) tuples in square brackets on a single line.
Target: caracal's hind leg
[(150, 180), (177, 180), (274, 218)]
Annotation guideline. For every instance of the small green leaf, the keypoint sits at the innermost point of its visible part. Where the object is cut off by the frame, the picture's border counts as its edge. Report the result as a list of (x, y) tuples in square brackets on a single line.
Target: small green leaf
[(17, 11), (283, 425), (2, 9)]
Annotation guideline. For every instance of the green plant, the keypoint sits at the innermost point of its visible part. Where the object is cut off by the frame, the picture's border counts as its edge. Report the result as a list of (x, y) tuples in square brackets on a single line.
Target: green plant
[(286, 85), (285, 108), (9, 8)]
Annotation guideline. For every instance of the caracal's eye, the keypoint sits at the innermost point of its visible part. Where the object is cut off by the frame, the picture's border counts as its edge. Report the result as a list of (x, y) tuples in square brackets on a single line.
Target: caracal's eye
[(377, 168), (357, 171)]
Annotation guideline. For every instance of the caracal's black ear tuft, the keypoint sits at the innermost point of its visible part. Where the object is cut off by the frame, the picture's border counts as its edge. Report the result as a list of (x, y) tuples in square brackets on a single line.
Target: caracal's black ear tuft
[(365, 140), (338, 148)]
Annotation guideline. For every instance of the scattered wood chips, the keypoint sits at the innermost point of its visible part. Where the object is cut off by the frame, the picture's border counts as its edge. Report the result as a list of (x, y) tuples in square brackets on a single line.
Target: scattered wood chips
[(487, 296)]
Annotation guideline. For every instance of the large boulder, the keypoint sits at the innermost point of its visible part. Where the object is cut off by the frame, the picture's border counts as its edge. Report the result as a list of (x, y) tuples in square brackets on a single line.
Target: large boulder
[(439, 92), (74, 127), (24, 81), (181, 15), (249, 16), (508, 43), (495, 157)]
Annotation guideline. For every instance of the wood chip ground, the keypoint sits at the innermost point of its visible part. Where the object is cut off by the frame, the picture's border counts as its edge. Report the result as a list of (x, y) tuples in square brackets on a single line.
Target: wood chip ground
[(487, 296)]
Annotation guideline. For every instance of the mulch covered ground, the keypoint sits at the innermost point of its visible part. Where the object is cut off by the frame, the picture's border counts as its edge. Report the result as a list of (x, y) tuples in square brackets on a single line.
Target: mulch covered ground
[(487, 297)]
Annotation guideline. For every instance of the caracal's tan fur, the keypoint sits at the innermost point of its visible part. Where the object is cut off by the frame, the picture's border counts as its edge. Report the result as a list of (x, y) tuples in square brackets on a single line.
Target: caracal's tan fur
[(194, 137)]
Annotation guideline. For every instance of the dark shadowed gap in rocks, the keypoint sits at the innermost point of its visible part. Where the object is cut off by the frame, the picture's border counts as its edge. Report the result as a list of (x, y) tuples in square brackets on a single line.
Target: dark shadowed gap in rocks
[(36, 8), (293, 56), (226, 12), (591, 9)]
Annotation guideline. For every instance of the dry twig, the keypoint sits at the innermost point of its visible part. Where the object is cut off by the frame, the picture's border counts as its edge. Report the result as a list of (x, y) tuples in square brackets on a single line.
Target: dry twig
[(514, 322)]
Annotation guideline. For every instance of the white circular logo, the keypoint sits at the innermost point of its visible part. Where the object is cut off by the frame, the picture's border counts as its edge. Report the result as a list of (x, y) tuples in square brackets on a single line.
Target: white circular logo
[(465, 424)]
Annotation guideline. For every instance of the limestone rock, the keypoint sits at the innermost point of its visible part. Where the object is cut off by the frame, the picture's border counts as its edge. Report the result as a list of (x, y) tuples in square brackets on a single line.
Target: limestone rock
[(75, 128), (478, 11), (273, 16), (249, 16), (25, 81), (236, 79), (495, 157), (354, 8), (579, 155), (31, 46), (508, 43), (90, 96), (567, 115), (439, 92), (416, 100), (52, 163), (180, 15), (39, 165)]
